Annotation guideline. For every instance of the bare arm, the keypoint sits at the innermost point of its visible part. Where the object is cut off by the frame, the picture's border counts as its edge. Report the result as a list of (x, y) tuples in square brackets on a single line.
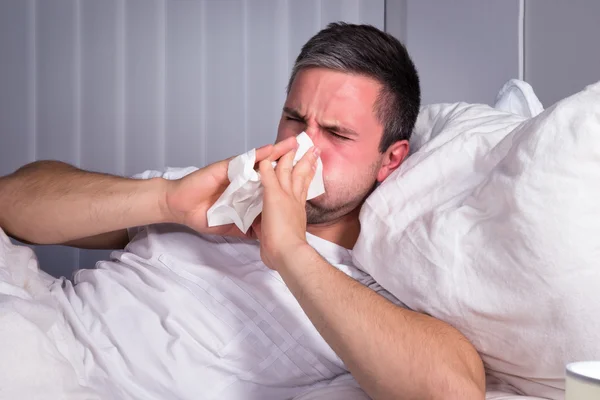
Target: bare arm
[(50, 202), (392, 352)]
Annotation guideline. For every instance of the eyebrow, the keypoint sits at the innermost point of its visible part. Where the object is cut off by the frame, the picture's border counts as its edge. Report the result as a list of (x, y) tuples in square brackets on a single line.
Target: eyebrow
[(293, 113), (333, 128)]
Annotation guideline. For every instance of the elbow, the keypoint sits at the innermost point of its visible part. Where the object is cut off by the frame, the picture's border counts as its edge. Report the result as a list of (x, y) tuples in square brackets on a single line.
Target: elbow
[(444, 381), (461, 389), (457, 388), (464, 379)]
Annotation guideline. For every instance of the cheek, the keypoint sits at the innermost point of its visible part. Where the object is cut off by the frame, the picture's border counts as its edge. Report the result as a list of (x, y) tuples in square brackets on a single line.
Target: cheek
[(337, 160), (345, 170), (335, 168)]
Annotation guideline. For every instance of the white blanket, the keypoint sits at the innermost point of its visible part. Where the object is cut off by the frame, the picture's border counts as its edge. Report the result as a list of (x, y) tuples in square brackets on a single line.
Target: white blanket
[(35, 360), (34, 344)]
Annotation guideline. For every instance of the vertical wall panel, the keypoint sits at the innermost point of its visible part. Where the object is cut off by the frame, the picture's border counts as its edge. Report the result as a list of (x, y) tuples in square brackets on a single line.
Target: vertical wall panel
[(185, 83), (339, 10), (372, 12), (120, 86), (32, 73), (304, 20), (14, 80), (465, 50), (99, 141), (561, 44), (266, 75), (396, 18), (144, 85), (56, 86), (224, 127)]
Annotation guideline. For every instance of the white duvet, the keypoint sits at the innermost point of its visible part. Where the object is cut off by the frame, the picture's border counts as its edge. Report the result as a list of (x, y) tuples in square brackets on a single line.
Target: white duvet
[(34, 341), (494, 227)]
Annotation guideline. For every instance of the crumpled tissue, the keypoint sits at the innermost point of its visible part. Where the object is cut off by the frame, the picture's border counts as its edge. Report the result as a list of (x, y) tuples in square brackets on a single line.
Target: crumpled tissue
[(242, 201)]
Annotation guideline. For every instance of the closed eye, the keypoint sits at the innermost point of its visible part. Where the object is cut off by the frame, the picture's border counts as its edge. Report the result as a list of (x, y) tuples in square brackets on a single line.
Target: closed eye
[(288, 118), (336, 136)]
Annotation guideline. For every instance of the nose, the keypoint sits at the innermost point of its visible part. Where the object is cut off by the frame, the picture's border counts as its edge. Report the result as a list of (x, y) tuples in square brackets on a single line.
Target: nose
[(314, 134)]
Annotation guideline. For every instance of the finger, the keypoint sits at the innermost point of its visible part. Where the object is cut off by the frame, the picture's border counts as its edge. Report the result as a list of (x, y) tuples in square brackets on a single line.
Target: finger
[(267, 176), (263, 152), (284, 170), (283, 147), (303, 173)]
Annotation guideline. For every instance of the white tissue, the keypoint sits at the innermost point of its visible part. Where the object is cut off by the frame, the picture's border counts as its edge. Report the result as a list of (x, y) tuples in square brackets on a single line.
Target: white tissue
[(242, 201)]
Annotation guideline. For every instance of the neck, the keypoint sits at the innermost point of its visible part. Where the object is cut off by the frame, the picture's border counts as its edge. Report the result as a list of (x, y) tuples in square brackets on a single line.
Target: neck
[(343, 231)]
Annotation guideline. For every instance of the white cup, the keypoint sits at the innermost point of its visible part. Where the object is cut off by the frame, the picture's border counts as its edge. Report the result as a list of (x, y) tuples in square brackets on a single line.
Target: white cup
[(583, 381)]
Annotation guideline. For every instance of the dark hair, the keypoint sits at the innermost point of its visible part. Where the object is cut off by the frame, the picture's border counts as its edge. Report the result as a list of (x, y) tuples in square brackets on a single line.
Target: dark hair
[(365, 50)]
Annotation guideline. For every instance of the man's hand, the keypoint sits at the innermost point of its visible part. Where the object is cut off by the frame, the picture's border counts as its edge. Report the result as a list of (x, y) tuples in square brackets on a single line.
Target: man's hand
[(187, 200), (282, 226)]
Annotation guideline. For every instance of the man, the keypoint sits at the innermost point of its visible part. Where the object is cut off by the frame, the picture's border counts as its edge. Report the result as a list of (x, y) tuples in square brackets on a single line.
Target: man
[(191, 311)]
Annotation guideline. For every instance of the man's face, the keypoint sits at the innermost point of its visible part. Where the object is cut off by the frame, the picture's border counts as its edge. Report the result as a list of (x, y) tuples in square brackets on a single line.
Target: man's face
[(336, 110)]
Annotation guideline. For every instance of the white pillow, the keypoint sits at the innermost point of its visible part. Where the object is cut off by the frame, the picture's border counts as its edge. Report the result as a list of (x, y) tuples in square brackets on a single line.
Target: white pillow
[(518, 97), (494, 227), (515, 97)]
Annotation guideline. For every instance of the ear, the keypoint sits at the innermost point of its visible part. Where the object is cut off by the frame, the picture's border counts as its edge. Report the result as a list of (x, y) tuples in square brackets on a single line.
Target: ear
[(392, 158)]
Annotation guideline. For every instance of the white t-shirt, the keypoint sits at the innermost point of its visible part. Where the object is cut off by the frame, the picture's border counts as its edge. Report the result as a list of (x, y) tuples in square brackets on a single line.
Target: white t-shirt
[(180, 315)]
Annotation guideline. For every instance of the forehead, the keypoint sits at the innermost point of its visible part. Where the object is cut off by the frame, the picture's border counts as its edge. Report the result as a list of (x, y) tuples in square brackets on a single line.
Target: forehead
[(335, 96)]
